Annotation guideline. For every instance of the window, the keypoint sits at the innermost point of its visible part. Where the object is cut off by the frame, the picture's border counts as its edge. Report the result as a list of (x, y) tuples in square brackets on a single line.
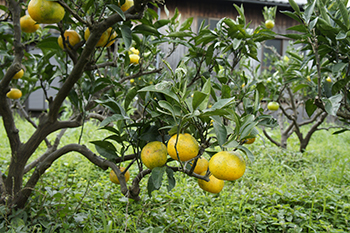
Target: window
[(207, 21), (277, 44)]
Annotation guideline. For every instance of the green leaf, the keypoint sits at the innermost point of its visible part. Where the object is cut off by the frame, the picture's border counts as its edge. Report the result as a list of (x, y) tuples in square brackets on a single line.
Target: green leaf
[(294, 6), (308, 11), (49, 43), (166, 105), (186, 25), (171, 178), (344, 13), (249, 154), (221, 132), (105, 149), (310, 107), (130, 95), (292, 15), (299, 87), (146, 30), (180, 34), (339, 85), (127, 36), (206, 90), (113, 118), (162, 87), (332, 104), (155, 179), (117, 9), (198, 98), (160, 23)]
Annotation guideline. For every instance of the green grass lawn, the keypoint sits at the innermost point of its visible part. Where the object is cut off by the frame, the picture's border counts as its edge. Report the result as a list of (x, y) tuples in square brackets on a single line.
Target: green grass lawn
[(281, 191)]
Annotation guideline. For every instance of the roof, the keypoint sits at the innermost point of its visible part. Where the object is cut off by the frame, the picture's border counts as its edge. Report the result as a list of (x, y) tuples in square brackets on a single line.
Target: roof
[(284, 3)]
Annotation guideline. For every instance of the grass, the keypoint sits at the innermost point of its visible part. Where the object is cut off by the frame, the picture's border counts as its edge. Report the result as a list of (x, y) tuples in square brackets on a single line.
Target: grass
[(282, 191)]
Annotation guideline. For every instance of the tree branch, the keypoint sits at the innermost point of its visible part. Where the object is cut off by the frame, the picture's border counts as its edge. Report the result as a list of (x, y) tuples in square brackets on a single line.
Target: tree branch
[(47, 162), (271, 139)]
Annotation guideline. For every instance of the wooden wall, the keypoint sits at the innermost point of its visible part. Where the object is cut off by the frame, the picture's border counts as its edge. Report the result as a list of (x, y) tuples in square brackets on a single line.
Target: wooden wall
[(220, 9)]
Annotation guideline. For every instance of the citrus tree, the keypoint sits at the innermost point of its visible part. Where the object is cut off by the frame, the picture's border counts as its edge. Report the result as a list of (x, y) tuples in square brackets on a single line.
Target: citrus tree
[(310, 82), (108, 65), (323, 32)]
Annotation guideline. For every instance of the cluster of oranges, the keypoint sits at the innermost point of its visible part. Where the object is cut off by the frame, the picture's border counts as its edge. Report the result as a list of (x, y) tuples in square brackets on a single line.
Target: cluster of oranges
[(224, 165)]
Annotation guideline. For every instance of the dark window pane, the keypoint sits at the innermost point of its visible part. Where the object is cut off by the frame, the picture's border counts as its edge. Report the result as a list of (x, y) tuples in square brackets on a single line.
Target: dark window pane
[(267, 52)]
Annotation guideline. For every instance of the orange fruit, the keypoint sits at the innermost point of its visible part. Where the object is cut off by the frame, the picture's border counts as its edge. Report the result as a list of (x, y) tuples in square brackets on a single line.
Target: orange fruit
[(273, 106), (28, 25), (249, 140), (201, 166), (227, 165), (269, 23), (187, 147), (111, 38), (44, 11), (14, 93), (113, 177), (214, 185), (71, 37), (127, 5), (154, 154), (132, 50), (102, 41), (134, 58), (19, 74)]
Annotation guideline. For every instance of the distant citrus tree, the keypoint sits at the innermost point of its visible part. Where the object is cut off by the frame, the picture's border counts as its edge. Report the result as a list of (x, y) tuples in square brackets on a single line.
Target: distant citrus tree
[(106, 60)]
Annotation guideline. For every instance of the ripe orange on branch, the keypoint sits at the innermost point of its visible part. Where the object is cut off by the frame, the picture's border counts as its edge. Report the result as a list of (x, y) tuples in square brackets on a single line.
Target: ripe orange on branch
[(44, 11), (19, 74), (227, 165), (28, 25), (127, 5), (71, 37), (214, 185), (154, 154), (187, 147), (14, 93), (201, 166), (113, 177)]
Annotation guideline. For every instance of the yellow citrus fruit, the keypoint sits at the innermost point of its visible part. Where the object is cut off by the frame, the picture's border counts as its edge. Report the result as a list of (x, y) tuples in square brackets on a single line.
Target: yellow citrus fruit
[(273, 106), (134, 58), (19, 74), (44, 11), (113, 177), (214, 185), (111, 38), (71, 37), (101, 42), (187, 147), (154, 154), (132, 81), (227, 165), (134, 51), (249, 140), (127, 5), (28, 25), (269, 23), (328, 79), (243, 85), (14, 93), (201, 166), (308, 78)]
